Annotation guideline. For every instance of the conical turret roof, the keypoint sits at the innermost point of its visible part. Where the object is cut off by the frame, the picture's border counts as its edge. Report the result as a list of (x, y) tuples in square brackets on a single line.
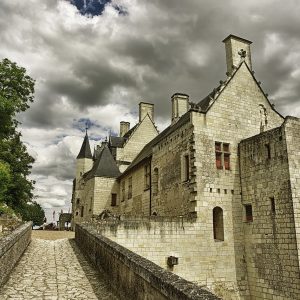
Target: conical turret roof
[(85, 151), (104, 166)]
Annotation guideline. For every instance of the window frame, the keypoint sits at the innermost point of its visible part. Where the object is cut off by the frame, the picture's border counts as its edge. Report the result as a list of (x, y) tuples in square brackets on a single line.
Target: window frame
[(113, 200), (147, 176), (129, 192), (218, 224), (222, 155), (248, 216), (155, 179), (123, 191)]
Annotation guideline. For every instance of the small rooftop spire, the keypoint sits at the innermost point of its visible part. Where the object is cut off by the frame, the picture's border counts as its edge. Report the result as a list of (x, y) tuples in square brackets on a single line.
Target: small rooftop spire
[(85, 151)]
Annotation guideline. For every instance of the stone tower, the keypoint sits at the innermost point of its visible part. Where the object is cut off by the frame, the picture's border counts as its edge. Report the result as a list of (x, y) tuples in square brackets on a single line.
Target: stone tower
[(84, 160)]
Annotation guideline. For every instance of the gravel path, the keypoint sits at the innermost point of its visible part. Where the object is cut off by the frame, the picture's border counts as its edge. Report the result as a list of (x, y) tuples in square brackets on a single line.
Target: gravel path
[(55, 269)]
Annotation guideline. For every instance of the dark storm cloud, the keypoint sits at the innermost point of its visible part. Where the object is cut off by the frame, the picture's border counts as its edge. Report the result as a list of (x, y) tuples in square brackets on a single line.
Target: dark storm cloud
[(156, 51), (99, 68)]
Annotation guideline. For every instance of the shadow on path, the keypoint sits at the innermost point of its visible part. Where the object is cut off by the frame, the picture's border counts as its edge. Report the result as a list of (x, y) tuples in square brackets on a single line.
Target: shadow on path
[(99, 281)]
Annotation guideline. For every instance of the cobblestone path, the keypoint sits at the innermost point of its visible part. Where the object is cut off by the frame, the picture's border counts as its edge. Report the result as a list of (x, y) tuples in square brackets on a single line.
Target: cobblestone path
[(53, 270)]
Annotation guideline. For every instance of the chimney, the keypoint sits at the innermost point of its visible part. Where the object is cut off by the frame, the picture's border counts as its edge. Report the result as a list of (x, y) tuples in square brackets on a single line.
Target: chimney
[(237, 49), (124, 127), (180, 105), (144, 109)]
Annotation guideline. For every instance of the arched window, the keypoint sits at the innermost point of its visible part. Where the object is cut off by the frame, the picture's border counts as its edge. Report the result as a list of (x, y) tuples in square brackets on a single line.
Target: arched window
[(218, 224), (155, 181)]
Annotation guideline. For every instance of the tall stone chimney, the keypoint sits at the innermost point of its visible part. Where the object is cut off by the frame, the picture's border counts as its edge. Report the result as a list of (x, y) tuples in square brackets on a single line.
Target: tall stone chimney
[(144, 109), (237, 49), (124, 127), (180, 105)]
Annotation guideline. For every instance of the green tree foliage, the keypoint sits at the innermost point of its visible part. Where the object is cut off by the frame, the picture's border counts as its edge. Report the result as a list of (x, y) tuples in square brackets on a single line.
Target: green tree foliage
[(16, 93), (5, 180), (32, 211)]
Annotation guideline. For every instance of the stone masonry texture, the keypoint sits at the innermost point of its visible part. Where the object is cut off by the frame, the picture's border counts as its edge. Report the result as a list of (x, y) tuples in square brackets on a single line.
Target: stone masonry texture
[(55, 270), (135, 276), (12, 248), (232, 163)]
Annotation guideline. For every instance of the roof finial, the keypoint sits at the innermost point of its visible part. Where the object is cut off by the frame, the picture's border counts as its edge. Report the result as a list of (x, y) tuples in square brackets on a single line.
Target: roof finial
[(86, 127), (242, 53)]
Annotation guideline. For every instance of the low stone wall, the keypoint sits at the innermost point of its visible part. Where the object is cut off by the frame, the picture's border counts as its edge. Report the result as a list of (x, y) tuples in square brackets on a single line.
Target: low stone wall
[(12, 247), (133, 276), (208, 264)]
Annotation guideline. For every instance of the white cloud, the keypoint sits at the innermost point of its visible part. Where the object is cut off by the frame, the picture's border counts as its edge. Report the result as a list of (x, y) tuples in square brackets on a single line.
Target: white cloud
[(100, 68)]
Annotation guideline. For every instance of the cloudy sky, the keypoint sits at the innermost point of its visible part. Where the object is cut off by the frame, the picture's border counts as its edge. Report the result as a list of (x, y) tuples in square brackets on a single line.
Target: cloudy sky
[(95, 60)]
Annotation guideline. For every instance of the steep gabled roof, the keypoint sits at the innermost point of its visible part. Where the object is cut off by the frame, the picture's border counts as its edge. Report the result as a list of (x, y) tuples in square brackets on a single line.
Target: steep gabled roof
[(205, 104), (147, 150), (119, 142), (85, 151), (104, 166), (130, 131)]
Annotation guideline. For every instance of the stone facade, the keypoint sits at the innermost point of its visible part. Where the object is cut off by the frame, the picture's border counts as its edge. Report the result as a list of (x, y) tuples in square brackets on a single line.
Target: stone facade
[(210, 164), (270, 168), (133, 276), (12, 247)]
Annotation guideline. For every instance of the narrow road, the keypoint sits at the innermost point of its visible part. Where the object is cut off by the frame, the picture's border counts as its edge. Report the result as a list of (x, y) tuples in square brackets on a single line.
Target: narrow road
[(55, 269)]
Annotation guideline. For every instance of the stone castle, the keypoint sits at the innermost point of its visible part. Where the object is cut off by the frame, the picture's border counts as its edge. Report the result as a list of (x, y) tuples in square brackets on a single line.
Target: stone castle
[(228, 167)]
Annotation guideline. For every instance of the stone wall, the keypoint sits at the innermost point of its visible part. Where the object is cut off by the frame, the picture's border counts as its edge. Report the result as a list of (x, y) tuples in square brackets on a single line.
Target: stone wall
[(175, 192), (12, 247), (139, 202), (133, 275), (270, 235), (240, 111), (157, 238), (292, 134)]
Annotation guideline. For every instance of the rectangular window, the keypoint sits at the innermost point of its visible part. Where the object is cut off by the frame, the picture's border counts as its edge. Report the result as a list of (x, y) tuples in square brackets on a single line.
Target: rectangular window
[(268, 150), (113, 199), (248, 211), (273, 208), (123, 190), (226, 147), (186, 168), (218, 146), (222, 155), (227, 161), (219, 160), (129, 187), (147, 173), (82, 211)]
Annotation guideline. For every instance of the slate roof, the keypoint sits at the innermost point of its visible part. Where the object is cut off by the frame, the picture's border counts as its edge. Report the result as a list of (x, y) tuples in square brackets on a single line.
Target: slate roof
[(130, 131), (119, 141), (116, 141), (147, 150), (204, 103), (104, 166), (97, 152), (85, 151)]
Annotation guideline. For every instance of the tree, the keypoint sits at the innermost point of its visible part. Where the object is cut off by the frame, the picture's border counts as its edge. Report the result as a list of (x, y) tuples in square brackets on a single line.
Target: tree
[(5, 180), (16, 93), (32, 211)]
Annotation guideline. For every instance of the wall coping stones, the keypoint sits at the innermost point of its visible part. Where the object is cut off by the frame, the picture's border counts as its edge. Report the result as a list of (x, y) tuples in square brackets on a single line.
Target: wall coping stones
[(12, 247), (169, 284), (9, 240)]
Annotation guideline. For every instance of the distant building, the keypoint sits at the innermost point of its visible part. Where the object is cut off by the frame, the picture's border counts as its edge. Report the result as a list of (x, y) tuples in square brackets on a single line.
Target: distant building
[(231, 160)]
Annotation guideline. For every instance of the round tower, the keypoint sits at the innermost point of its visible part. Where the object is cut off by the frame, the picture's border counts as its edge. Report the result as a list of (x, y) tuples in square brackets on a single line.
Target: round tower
[(84, 160)]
